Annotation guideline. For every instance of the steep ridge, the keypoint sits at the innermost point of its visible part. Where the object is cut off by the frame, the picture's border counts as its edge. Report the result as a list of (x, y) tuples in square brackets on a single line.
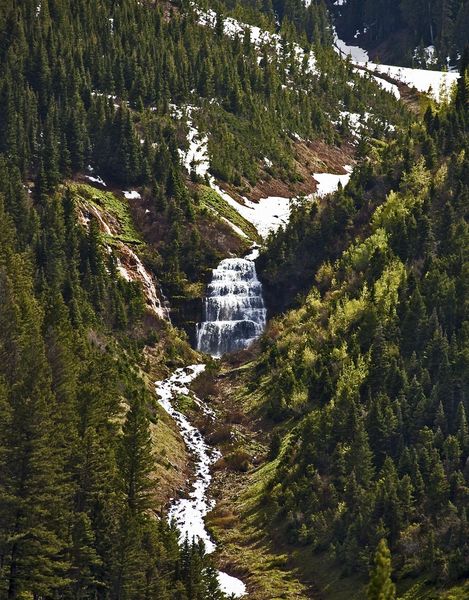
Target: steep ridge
[(102, 207)]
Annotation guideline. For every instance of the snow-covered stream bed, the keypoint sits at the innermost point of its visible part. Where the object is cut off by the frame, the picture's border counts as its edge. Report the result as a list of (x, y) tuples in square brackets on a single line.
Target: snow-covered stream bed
[(189, 513)]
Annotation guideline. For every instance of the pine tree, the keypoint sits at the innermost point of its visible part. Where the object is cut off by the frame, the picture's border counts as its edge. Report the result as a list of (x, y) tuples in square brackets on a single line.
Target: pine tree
[(135, 456), (381, 586)]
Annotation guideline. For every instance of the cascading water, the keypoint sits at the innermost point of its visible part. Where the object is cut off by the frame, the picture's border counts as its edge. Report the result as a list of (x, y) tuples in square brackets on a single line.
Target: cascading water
[(189, 513), (234, 311)]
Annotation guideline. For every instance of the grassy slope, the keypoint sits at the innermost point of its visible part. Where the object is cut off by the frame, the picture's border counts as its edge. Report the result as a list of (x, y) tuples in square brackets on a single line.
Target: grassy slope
[(212, 200), (253, 546), (116, 209)]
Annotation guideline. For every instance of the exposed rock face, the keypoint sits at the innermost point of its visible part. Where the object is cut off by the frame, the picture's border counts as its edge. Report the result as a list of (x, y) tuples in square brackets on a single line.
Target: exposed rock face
[(130, 265)]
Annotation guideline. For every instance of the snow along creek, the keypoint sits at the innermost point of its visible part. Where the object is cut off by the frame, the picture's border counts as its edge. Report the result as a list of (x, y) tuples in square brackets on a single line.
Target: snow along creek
[(189, 513)]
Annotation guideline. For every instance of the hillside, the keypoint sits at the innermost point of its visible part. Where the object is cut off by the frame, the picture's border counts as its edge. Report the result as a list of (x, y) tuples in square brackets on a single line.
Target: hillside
[(409, 33), (180, 177), (361, 387)]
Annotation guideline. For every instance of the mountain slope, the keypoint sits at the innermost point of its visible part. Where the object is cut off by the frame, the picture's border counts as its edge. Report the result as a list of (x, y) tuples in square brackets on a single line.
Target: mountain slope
[(140, 144), (418, 34), (364, 383)]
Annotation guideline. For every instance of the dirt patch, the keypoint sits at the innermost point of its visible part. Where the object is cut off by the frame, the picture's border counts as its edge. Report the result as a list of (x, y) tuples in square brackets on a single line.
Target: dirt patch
[(409, 95), (308, 157)]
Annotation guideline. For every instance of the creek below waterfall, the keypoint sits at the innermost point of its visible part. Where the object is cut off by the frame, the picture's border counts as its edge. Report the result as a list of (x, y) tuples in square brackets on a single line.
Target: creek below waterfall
[(189, 513)]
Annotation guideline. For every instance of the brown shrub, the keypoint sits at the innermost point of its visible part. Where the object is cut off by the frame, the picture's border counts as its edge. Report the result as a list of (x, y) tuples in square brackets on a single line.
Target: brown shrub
[(220, 435)]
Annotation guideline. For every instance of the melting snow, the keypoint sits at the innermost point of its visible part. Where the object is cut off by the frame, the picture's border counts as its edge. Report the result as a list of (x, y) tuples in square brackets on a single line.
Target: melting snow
[(356, 53), (231, 585), (97, 179), (189, 513), (437, 83), (388, 86), (266, 215), (132, 195), (196, 156), (259, 37), (329, 182), (356, 121)]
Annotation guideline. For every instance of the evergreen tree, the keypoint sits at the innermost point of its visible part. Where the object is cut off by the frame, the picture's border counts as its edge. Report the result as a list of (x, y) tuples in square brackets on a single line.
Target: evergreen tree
[(381, 586)]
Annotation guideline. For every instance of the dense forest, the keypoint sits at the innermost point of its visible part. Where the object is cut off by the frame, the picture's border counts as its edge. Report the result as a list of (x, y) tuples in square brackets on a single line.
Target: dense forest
[(75, 451), (96, 84), (367, 379), (423, 33), (361, 375)]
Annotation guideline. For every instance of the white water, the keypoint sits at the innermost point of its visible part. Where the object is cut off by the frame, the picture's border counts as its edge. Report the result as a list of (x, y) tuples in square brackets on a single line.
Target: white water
[(234, 310), (189, 513)]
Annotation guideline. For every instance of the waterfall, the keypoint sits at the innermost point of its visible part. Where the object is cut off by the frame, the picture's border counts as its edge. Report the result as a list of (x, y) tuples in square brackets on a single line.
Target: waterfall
[(234, 311)]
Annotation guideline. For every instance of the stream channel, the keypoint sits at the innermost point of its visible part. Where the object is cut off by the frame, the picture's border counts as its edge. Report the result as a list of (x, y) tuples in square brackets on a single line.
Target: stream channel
[(235, 316)]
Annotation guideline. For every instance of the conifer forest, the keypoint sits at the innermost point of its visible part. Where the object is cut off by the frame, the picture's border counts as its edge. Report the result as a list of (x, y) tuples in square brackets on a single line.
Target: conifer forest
[(234, 300)]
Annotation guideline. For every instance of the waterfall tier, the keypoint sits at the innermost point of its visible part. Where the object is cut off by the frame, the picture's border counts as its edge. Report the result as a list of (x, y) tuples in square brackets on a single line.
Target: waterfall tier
[(234, 311)]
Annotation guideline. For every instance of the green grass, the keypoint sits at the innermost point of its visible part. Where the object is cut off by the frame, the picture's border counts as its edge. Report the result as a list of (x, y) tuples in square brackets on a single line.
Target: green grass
[(211, 199), (423, 590), (185, 403), (116, 208), (252, 543)]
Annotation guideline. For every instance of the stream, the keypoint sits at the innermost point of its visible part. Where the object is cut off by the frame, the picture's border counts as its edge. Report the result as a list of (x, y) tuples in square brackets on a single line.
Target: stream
[(189, 513)]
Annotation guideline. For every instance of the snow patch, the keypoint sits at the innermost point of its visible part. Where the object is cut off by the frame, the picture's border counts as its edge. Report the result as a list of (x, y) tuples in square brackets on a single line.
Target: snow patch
[(436, 83), (196, 157), (356, 53), (132, 195), (258, 37), (231, 585), (355, 121), (266, 215), (329, 182), (96, 179), (388, 86)]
